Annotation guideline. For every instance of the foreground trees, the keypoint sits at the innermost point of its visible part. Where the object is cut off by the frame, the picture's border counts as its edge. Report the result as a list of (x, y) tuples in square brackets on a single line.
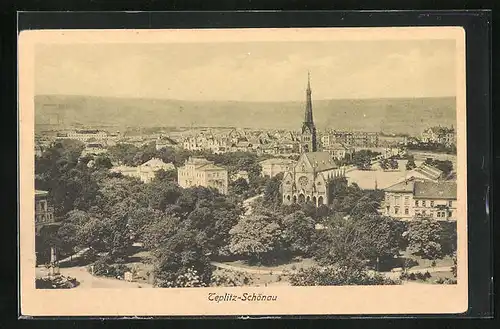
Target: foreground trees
[(424, 236), (257, 237), (338, 276)]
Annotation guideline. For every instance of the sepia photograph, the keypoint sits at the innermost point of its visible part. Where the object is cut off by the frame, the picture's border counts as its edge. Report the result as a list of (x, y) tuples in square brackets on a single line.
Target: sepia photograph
[(255, 166)]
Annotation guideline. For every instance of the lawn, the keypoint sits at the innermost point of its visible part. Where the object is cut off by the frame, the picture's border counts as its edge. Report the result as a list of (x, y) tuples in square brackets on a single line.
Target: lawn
[(293, 265), (446, 261), (140, 262)]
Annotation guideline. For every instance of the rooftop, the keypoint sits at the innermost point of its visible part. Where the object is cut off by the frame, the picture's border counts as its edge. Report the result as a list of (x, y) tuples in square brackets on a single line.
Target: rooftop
[(155, 162), (321, 161), (423, 189), (277, 161), (431, 190), (210, 167)]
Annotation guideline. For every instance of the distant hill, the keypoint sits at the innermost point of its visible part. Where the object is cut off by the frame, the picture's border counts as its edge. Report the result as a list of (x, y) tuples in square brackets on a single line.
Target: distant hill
[(398, 115)]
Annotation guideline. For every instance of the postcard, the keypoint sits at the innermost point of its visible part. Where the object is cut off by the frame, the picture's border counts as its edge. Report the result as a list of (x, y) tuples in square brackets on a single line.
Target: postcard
[(243, 172)]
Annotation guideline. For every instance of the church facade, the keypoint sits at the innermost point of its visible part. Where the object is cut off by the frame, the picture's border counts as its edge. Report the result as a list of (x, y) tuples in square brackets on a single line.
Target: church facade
[(312, 177)]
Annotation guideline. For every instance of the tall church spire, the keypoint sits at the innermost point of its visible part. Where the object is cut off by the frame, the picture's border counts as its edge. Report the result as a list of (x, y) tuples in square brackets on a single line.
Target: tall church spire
[(308, 137), (308, 116)]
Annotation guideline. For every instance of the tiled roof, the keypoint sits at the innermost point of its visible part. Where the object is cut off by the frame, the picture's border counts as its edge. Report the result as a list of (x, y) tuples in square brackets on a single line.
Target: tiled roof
[(337, 146), (432, 190), (321, 161), (210, 166), (429, 171), (277, 161), (405, 186)]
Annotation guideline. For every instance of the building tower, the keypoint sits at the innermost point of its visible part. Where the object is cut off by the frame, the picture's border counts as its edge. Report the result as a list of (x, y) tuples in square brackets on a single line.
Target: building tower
[(308, 133)]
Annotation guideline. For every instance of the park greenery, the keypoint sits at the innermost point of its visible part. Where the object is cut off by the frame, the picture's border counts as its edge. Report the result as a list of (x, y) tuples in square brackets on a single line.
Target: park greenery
[(186, 229)]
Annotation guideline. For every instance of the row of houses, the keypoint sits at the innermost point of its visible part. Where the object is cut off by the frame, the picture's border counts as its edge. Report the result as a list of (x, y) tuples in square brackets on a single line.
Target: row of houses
[(440, 135), (145, 172)]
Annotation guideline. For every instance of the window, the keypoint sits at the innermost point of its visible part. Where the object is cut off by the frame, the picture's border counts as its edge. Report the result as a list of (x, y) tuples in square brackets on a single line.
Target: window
[(432, 203), (407, 211), (450, 203), (396, 199), (416, 203), (407, 200), (396, 210), (450, 213), (423, 203)]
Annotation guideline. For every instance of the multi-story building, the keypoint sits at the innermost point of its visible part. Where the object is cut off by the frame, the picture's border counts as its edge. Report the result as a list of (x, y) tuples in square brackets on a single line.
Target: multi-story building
[(417, 197), (356, 138), (44, 214), (93, 149), (148, 169), (440, 135), (339, 151), (85, 135), (272, 167), (145, 172), (201, 172)]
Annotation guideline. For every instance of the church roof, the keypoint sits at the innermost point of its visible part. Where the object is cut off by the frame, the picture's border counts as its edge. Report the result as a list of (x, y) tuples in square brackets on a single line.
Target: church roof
[(321, 161)]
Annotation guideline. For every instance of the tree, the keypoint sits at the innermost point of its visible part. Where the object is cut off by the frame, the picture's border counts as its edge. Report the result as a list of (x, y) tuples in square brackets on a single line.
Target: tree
[(298, 232), (410, 164), (257, 237), (123, 153), (68, 232), (156, 233), (102, 162), (166, 175), (393, 164), (382, 237), (384, 164), (342, 243), (176, 257), (362, 159), (162, 193), (337, 276), (446, 166), (239, 186), (140, 218), (69, 182), (424, 237)]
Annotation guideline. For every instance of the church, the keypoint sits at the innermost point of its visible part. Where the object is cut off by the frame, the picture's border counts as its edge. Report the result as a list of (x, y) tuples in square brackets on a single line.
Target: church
[(310, 180)]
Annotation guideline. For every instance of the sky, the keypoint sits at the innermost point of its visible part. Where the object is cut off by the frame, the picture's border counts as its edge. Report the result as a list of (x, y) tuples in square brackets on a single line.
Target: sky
[(249, 71)]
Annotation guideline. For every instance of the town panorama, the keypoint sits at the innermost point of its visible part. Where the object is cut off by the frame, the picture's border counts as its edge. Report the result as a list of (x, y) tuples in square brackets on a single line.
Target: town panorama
[(229, 206)]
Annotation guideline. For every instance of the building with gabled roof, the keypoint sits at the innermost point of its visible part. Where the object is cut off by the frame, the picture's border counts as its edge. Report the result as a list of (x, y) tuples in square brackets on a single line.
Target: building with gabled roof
[(145, 172), (202, 172), (272, 167), (416, 197), (424, 171), (310, 180)]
